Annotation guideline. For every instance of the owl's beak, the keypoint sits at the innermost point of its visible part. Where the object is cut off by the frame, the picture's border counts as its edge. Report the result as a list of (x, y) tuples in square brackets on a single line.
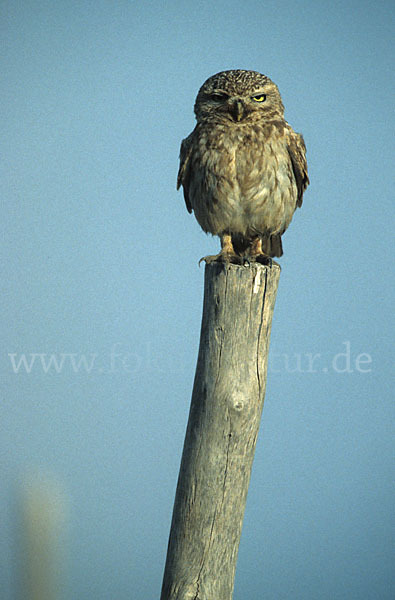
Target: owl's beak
[(236, 109)]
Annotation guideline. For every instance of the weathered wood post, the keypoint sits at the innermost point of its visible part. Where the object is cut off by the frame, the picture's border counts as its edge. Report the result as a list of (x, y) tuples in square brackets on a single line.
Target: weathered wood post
[(222, 430)]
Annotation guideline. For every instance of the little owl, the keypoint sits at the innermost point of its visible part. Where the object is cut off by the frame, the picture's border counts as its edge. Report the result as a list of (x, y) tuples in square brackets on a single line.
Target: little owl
[(243, 168)]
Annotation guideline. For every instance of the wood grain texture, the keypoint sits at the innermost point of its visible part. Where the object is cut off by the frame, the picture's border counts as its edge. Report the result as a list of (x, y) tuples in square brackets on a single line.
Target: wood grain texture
[(222, 430)]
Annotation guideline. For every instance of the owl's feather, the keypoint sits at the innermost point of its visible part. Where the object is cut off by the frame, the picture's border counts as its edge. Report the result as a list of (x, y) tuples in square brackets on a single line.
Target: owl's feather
[(297, 152), (184, 170)]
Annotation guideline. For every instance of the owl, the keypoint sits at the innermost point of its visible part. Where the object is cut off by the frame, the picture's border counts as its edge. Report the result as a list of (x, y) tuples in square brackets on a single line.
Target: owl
[(243, 168)]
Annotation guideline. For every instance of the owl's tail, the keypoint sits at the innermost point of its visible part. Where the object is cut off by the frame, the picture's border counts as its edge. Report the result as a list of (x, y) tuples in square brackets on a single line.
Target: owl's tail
[(272, 246)]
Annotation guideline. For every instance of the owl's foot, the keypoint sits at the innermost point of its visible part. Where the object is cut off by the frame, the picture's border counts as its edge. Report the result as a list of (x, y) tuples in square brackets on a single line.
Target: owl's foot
[(224, 257), (257, 254), (263, 259), (227, 254)]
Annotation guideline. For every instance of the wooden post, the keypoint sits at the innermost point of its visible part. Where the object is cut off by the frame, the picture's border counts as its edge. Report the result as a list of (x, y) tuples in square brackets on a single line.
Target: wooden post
[(222, 430)]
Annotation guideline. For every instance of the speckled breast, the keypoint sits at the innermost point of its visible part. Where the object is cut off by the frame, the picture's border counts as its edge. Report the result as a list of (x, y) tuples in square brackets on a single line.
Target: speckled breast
[(242, 180)]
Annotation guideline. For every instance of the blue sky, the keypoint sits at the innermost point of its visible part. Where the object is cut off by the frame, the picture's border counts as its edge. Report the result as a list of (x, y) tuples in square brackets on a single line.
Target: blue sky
[(100, 261)]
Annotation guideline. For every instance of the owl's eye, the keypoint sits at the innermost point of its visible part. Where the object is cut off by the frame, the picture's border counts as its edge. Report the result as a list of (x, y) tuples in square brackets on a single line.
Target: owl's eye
[(259, 98), (219, 96)]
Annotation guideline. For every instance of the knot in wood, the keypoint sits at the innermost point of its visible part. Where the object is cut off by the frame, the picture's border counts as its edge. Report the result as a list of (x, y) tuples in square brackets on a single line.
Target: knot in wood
[(237, 403)]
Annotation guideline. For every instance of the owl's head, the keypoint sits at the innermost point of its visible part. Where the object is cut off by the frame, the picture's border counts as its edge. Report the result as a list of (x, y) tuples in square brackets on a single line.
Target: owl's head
[(238, 96)]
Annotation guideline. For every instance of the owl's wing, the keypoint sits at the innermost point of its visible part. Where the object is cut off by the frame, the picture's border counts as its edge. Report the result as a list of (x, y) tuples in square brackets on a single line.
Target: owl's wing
[(184, 172), (297, 153)]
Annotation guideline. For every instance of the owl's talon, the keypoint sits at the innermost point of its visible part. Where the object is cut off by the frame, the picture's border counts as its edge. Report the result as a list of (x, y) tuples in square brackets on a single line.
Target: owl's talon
[(223, 257), (265, 260), (262, 259)]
